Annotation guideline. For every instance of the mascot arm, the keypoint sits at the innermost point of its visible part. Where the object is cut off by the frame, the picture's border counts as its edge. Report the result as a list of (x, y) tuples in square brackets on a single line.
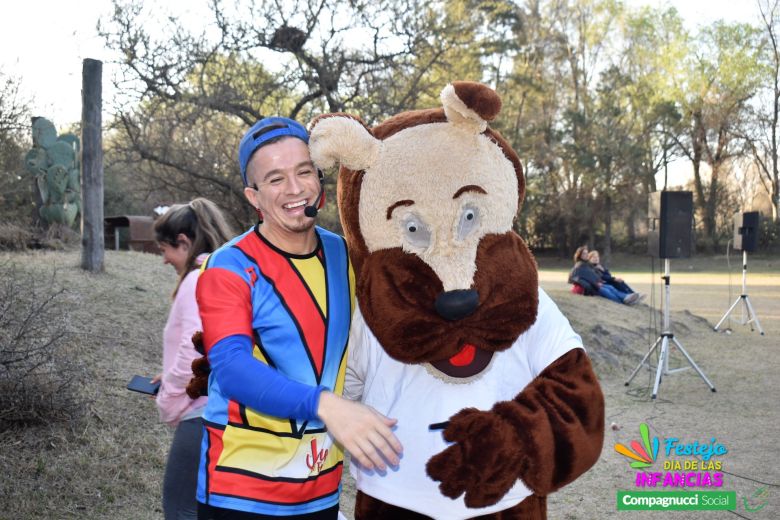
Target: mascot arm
[(547, 436)]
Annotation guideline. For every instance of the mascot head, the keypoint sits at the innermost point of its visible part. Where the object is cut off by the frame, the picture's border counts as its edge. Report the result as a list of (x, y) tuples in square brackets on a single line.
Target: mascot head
[(427, 200)]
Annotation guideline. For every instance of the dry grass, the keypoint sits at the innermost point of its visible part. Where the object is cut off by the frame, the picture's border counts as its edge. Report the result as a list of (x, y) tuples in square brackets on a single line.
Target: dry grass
[(743, 366), (110, 464)]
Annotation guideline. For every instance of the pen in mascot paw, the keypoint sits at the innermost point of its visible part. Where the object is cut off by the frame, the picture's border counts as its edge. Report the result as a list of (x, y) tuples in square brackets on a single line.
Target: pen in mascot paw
[(427, 201)]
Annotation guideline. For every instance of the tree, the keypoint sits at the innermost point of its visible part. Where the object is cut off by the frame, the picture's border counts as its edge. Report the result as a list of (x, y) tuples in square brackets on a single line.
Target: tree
[(196, 93), (721, 79), (15, 192), (763, 142)]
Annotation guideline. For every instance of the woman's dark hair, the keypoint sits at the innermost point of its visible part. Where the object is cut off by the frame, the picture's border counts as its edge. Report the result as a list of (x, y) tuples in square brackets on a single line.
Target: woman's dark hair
[(201, 221), (578, 253)]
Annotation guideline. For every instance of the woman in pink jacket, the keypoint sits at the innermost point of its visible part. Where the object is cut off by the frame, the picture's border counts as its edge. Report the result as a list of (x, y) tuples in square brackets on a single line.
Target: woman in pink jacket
[(186, 234)]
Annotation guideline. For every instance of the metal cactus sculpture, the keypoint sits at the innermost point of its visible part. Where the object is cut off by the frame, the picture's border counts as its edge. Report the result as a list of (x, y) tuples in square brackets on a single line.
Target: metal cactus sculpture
[(54, 161)]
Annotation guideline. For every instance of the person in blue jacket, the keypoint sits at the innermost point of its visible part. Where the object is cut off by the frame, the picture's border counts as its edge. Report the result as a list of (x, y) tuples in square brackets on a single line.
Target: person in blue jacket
[(586, 276)]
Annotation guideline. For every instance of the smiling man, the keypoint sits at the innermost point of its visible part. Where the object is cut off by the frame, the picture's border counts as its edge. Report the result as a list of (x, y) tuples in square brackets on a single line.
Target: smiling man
[(276, 305)]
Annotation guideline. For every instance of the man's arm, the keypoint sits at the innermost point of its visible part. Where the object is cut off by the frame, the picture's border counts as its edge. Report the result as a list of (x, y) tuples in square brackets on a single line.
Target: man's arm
[(224, 303), (252, 383)]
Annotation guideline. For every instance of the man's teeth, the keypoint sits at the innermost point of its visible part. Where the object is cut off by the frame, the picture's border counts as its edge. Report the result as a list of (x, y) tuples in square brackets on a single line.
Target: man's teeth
[(292, 205)]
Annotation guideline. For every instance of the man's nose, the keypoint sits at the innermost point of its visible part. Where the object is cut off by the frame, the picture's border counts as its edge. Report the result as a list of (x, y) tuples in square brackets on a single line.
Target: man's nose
[(456, 305), (294, 185)]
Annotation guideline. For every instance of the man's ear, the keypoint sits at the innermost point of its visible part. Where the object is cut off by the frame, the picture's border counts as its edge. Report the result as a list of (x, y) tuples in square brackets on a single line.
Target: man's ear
[(342, 139), (251, 195)]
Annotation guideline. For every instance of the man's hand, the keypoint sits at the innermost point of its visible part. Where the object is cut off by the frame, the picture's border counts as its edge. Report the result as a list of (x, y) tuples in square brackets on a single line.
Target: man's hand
[(361, 430)]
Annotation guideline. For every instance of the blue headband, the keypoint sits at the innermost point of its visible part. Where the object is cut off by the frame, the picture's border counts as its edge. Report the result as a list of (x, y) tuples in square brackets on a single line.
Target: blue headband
[(263, 131)]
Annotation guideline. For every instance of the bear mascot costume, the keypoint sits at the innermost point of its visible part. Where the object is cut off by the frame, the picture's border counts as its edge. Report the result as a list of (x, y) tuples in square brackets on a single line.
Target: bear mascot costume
[(496, 401)]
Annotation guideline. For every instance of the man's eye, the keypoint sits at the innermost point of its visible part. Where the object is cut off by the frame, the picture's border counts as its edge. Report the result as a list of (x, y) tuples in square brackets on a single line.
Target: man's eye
[(275, 180), (303, 173)]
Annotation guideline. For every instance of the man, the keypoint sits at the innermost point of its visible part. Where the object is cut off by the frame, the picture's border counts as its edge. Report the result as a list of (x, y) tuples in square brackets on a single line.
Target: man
[(276, 304)]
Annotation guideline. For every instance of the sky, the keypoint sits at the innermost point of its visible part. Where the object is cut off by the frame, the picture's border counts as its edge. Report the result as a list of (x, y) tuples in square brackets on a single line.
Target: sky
[(44, 43)]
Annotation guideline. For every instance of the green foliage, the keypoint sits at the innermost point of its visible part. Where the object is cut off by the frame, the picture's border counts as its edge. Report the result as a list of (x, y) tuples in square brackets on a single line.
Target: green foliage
[(597, 97)]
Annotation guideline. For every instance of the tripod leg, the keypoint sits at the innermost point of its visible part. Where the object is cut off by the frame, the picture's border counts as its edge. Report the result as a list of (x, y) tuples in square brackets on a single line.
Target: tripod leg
[(693, 364), (660, 368), (727, 314), (752, 315), (636, 370)]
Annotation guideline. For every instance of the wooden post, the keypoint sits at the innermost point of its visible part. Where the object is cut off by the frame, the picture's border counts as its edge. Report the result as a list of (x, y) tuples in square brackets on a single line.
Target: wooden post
[(92, 247), (37, 222)]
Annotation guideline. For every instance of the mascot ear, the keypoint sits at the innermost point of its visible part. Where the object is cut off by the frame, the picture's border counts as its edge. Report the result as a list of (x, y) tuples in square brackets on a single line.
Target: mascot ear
[(342, 139), (470, 105)]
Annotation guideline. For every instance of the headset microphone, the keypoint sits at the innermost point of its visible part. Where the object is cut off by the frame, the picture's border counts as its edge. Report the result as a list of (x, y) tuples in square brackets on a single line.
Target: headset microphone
[(311, 211)]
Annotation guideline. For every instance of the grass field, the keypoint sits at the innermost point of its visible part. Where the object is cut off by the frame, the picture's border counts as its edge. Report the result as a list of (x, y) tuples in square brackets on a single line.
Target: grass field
[(109, 463)]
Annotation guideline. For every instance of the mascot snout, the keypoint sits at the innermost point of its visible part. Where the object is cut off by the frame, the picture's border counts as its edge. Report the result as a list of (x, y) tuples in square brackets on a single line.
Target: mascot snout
[(456, 305)]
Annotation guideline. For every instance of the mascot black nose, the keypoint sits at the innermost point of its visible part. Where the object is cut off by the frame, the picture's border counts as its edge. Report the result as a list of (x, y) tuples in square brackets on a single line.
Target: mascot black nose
[(456, 305)]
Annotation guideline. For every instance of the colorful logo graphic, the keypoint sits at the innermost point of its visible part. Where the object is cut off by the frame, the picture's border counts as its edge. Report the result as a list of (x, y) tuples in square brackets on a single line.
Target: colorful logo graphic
[(643, 455)]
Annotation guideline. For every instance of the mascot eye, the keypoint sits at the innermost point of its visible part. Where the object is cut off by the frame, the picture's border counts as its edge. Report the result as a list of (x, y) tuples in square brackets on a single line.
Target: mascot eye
[(416, 232), (469, 221)]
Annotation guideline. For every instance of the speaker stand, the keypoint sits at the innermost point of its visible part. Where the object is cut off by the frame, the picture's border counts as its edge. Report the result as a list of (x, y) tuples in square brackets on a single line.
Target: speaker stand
[(663, 342), (745, 299)]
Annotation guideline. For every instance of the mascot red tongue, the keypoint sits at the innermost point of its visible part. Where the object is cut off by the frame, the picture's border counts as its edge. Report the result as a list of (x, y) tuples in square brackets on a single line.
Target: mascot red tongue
[(464, 357), (452, 328)]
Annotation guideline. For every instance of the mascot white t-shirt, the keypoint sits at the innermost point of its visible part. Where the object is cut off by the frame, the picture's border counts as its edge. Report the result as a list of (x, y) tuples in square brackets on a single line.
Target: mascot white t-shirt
[(419, 399)]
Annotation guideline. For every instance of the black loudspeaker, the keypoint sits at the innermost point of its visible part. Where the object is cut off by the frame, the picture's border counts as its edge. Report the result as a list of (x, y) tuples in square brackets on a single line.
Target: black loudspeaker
[(746, 231), (670, 223)]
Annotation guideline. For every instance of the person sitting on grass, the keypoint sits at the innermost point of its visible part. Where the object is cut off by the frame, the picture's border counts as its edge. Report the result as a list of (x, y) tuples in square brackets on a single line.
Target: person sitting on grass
[(586, 276), (606, 276)]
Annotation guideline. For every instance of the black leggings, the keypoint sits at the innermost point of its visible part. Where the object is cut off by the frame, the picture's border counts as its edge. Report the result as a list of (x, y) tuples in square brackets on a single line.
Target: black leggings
[(181, 471), (206, 512)]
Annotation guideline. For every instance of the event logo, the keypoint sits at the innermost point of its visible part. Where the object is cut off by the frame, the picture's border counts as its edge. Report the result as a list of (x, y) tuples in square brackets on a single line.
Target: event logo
[(689, 477), (643, 455), (686, 464)]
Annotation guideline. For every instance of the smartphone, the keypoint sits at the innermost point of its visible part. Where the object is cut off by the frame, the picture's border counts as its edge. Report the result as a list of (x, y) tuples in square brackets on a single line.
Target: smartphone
[(144, 385)]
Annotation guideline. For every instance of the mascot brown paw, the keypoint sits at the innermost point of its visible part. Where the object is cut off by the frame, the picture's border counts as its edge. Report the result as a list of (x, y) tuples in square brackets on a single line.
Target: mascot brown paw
[(483, 462)]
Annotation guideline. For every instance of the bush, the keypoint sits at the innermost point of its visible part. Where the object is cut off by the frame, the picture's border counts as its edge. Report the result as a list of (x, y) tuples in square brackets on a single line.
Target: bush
[(14, 237), (39, 382)]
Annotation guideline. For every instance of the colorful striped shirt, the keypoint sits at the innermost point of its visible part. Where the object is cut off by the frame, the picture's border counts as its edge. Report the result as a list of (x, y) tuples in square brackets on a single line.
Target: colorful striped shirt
[(296, 309)]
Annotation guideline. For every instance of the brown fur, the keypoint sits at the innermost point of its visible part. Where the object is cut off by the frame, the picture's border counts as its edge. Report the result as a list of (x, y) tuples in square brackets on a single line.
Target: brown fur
[(550, 434), (397, 290), (370, 508), (552, 431), (485, 102), (199, 384)]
